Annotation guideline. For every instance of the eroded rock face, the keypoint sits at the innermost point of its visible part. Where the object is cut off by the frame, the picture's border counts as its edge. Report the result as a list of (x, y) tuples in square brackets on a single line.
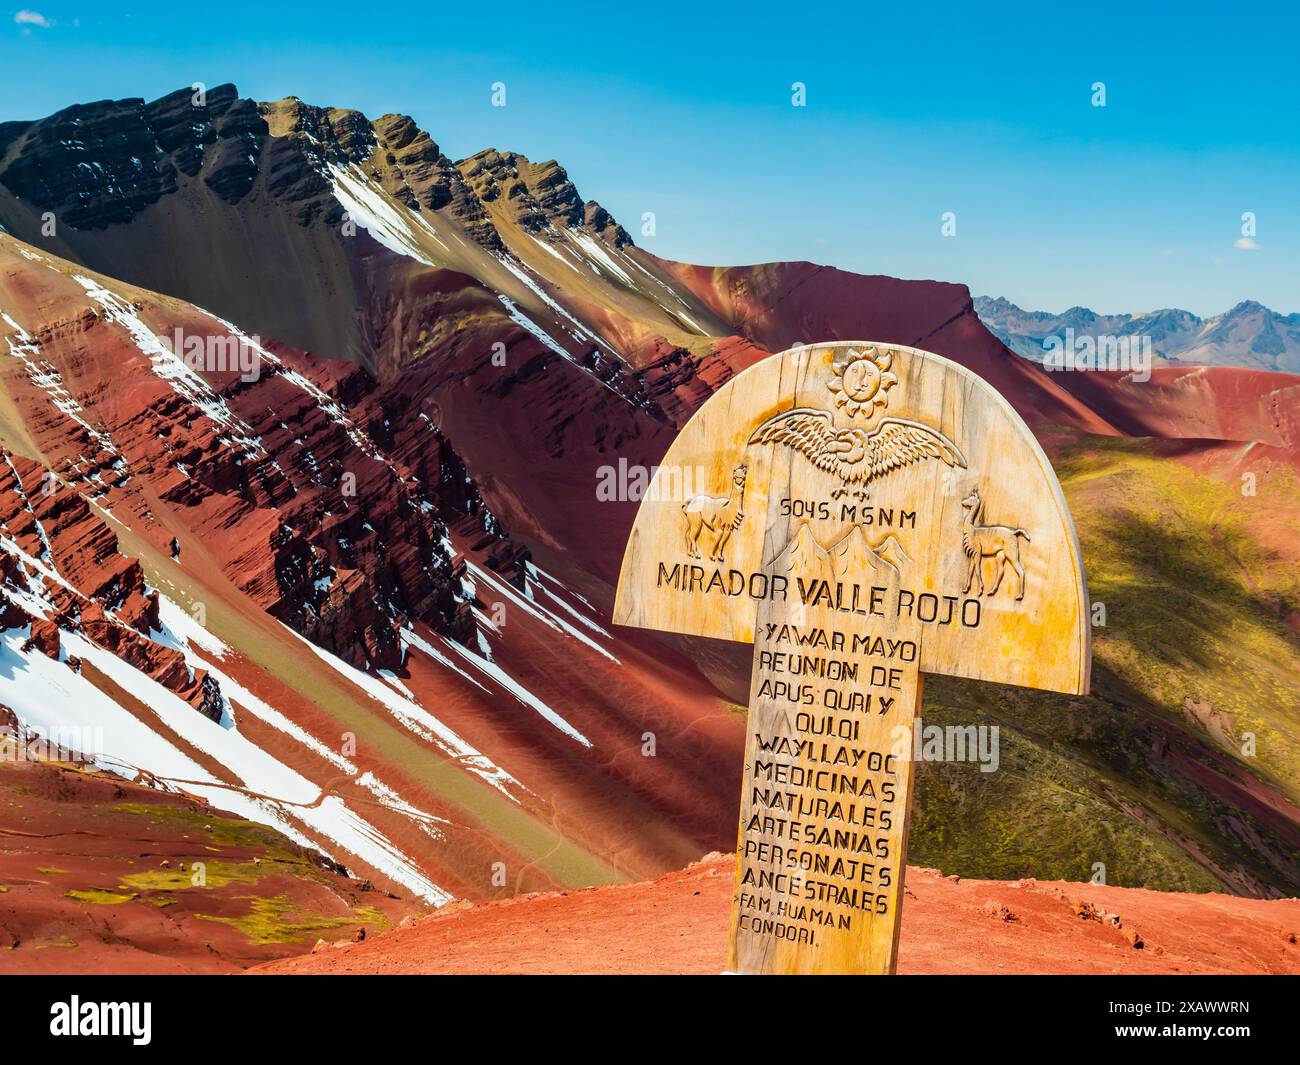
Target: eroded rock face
[(412, 166), (538, 194), (322, 494), (604, 225), (60, 568), (44, 637), (342, 506), (393, 245), (393, 151), (101, 164)]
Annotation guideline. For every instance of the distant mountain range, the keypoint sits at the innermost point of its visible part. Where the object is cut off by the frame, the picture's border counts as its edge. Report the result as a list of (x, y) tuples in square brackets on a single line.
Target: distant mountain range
[(1248, 335)]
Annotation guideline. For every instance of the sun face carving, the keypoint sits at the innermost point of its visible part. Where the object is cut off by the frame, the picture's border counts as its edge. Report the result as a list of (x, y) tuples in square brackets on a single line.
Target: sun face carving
[(862, 380)]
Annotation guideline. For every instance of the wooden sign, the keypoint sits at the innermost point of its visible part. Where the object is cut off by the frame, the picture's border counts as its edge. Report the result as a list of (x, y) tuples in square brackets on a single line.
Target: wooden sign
[(864, 514)]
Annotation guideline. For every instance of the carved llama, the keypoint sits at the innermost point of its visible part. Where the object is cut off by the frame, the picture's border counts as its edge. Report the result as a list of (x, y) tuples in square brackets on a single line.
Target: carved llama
[(1000, 542), (720, 515)]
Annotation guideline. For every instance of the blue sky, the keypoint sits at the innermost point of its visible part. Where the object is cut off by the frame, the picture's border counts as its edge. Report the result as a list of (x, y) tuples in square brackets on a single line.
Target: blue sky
[(911, 112)]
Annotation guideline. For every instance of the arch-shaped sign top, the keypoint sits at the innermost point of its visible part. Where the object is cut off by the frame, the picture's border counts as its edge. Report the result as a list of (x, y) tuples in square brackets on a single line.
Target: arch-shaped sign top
[(873, 477)]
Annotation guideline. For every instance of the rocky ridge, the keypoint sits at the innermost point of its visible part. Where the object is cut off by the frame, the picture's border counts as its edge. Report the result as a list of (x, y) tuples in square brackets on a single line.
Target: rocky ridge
[(1248, 335)]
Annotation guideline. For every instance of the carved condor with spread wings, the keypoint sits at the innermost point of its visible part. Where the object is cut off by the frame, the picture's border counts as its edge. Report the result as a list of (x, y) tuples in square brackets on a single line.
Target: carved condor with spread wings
[(855, 455)]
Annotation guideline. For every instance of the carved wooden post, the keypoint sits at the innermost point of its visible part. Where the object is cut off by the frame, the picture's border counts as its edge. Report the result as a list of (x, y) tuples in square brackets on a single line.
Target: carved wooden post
[(863, 514)]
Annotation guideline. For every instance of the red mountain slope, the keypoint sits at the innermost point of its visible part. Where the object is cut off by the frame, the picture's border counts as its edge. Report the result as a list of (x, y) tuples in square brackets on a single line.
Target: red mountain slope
[(244, 483)]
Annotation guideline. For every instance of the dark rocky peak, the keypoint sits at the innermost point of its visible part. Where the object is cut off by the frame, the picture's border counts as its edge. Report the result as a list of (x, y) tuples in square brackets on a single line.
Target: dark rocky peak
[(93, 165), (183, 129), (233, 165), (551, 188), (422, 177), (1226, 325), (1170, 314), (392, 151), (495, 177), (537, 195), (604, 225), (100, 164), (10, 132), (1080, 314), (1167, 324), (407, 142), (324, 135)]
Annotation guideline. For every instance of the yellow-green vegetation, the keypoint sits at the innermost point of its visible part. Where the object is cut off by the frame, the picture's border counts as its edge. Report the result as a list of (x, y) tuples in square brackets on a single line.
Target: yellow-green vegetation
[(99, 897), (1194, 603), (281, 920), (212, 827), (1052, 808), (50, 870), (1194, 680), (215, 874), (276, 854)]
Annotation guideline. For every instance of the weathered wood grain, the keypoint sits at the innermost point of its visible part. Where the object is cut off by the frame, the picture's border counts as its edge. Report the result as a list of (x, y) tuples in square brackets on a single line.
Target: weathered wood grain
[(864, 514)]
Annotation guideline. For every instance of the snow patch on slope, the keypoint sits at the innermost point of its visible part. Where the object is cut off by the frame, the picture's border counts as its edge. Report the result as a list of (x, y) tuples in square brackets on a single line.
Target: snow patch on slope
[(516, 689), (173, 369), (595, 251), (390, 800), (44, 375), (416, 718), (373, 211), (518, 269), (48, 698), (181, 629), (547, 617)]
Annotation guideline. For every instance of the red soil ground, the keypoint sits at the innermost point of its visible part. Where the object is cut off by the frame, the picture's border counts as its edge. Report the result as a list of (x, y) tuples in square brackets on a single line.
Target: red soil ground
[(97, 876), (678, 924)]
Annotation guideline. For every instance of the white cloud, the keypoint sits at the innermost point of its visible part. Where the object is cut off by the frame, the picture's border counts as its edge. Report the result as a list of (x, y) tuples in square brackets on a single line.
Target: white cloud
[(33, 18), (1246, 244)]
